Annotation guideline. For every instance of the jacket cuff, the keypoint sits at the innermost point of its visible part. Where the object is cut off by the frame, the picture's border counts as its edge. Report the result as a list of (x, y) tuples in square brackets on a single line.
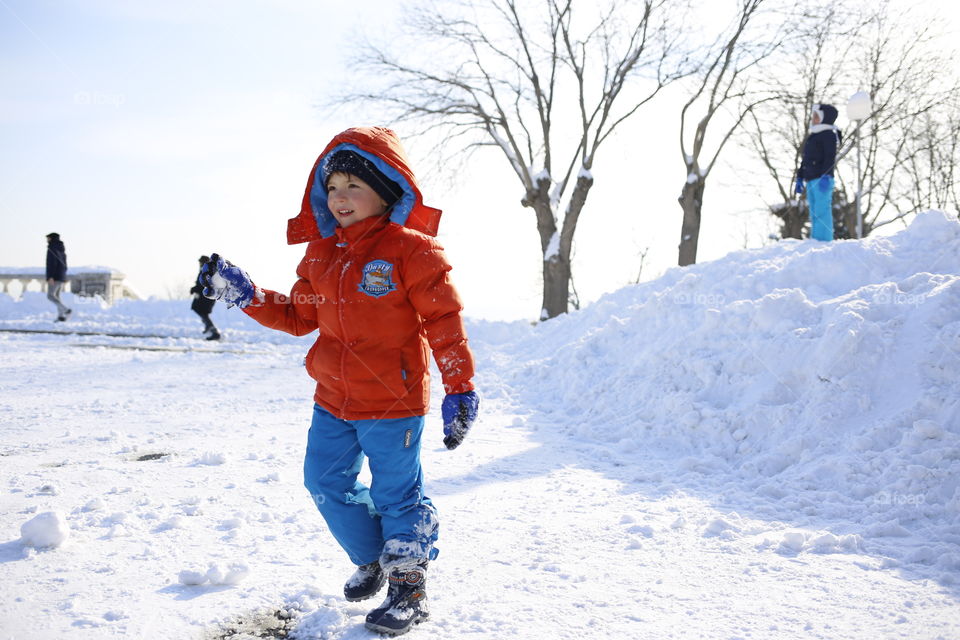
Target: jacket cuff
[(458, 387)]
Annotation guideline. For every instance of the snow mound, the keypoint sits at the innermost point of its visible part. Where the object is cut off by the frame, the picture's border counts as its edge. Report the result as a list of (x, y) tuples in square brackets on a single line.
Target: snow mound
[(211, 458), (215, 575), (830, 370), (46, 530)]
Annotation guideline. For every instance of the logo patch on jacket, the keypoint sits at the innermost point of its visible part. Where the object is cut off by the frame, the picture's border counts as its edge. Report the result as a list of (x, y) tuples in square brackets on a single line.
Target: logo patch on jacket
[(377, 278)]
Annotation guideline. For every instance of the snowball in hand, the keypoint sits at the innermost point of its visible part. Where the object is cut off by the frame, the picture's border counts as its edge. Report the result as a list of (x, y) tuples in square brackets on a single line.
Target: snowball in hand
[(48, 529)]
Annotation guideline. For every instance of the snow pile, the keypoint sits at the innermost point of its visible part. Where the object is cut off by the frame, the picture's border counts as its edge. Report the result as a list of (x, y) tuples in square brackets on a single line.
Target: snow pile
[(46, 530), (211, 458), (215, 574), (826, 377)]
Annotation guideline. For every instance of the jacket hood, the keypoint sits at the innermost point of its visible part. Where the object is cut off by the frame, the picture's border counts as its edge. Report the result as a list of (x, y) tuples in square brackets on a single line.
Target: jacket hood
[(829, 113), (382, 147)]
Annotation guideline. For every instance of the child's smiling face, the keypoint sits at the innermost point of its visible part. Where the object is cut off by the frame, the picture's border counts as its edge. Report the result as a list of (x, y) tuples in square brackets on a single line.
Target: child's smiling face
[(351, 200)]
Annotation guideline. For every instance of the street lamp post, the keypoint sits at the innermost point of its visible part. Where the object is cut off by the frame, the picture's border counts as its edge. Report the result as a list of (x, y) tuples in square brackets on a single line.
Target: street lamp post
[(858, 109)]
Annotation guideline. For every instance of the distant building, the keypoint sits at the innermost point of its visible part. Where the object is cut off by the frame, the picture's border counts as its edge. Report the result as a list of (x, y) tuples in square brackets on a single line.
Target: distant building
[(83, 281)]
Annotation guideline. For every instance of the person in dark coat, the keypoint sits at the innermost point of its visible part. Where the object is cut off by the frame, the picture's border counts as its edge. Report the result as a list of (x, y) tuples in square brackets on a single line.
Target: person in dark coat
[(203, 306), (56, 274), (816, 169)]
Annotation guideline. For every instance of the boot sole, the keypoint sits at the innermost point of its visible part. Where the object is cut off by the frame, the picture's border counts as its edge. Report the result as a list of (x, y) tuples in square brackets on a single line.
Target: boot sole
[(396, 632)]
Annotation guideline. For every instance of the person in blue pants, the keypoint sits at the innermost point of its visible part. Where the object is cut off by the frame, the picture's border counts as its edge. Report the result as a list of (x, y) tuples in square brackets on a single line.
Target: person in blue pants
[(816, 169), (374, 284), (361, 518)]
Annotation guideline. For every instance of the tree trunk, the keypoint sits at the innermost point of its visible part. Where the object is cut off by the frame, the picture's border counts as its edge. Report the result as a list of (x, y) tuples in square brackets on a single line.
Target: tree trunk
[(793, 217), (691, 200), (845, 218), (556, 272), (556, 245), (556, 286)]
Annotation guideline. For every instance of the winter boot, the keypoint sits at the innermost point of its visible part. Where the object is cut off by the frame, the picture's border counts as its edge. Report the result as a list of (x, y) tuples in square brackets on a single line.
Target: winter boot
[(406, 603), (365, 582)]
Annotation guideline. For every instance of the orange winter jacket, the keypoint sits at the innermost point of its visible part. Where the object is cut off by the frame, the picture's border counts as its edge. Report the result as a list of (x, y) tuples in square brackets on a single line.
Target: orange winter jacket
[(379, 292)]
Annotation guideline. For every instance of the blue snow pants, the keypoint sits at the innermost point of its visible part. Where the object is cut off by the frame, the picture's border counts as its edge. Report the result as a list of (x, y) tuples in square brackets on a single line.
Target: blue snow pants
[(392, 515), (820, 199)]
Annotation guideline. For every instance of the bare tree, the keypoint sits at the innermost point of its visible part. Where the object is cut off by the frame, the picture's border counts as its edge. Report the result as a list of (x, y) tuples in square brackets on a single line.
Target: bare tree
[(546, 86), (643, 258), (723, 95), (933, 165), (913, 87), (812, 66), (909, 141)]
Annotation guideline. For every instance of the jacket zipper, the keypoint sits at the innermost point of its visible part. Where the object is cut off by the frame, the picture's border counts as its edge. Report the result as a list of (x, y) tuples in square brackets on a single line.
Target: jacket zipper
[(344, 267)]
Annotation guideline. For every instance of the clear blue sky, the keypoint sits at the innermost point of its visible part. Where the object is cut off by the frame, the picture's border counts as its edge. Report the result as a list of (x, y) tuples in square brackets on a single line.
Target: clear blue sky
[(149, 133)]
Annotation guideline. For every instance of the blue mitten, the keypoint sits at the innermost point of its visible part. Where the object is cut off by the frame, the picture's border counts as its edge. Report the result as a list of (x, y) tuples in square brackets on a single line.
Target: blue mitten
[(225, 281), (459, 411), (799, 187)]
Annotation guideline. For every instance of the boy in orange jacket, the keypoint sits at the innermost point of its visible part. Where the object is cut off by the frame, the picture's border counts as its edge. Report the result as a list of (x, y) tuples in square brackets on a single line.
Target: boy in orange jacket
[(375, 283)]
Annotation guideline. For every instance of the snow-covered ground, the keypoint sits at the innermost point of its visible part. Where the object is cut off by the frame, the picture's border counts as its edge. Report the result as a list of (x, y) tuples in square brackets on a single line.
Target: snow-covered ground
[(765, 446)]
